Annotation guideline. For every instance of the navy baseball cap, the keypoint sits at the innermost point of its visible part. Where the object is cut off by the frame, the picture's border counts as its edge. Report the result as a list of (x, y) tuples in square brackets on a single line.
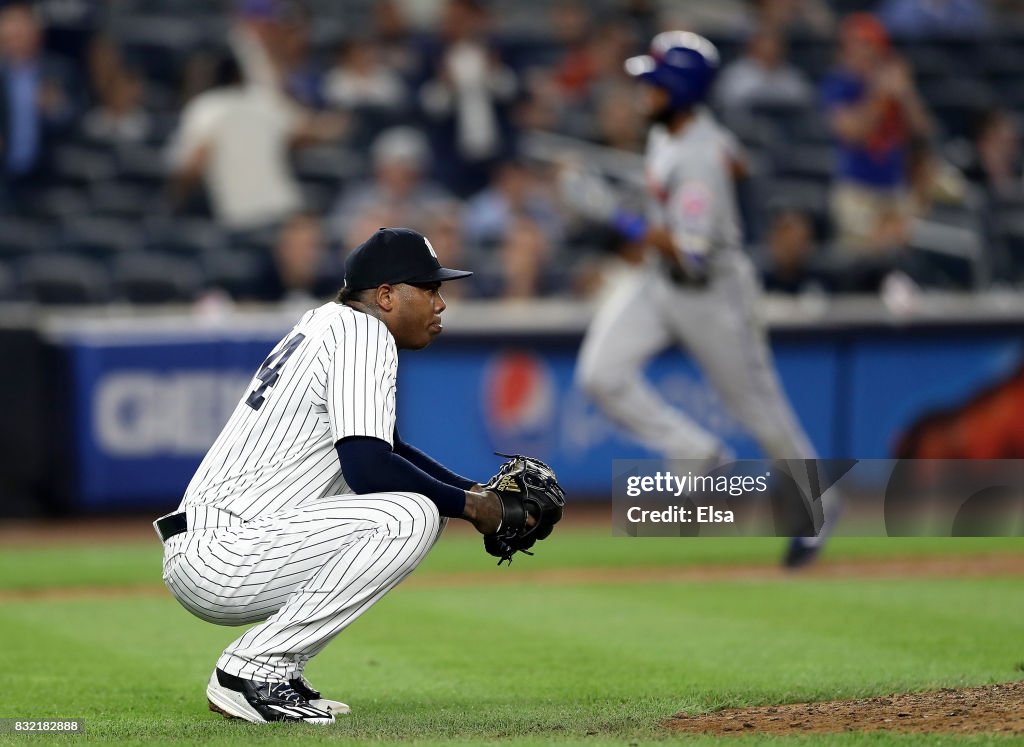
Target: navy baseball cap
[(395, 255)]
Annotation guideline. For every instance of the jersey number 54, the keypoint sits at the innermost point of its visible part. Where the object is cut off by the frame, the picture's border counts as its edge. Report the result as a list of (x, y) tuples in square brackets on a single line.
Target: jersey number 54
[(270, 371)]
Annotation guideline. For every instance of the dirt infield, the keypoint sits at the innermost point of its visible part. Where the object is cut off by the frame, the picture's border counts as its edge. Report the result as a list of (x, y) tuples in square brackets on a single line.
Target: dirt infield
[(993, 709)]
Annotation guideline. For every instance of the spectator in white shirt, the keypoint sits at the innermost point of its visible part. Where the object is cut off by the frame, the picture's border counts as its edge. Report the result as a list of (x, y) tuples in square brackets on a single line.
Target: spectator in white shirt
[(236, 138)]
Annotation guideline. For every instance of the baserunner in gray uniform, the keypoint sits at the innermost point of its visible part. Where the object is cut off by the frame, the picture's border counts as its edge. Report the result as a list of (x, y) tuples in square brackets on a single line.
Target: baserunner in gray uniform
[(698, 289)]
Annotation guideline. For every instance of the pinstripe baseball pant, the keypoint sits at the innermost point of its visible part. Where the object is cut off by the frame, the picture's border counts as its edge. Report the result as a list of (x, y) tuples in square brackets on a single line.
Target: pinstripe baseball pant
[(306, 572)]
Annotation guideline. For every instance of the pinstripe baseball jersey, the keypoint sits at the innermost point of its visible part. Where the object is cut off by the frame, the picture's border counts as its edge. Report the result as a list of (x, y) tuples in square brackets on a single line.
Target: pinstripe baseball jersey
[(690, 187), (331, 377)]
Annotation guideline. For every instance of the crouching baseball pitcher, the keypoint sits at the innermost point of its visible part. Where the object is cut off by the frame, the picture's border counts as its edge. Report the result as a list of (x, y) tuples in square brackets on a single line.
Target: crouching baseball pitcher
[(309, 507)]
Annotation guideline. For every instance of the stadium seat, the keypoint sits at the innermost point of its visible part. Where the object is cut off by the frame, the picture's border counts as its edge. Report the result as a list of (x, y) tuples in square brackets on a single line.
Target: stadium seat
[(58, 279), (327, 34), (150, 8), (812, 54), (188, 238), (144, 165), (234, 272), (805, 162), (20, 237), (786, 118), (150, 278), (774, 125), (1009, 236), (540, 51), (958, 102), (101, 237), (6, 284), (1009, 91), (929, 60), (370, 121), (158, 44), (159, 97), (318, 197), (120, 200), (61, 203), (257, 242), (752, 132), (1012, 37), (812, 130), (328, 165), (807, 196), (1000, 59), (162, 125), (945, 254), (78, 164)]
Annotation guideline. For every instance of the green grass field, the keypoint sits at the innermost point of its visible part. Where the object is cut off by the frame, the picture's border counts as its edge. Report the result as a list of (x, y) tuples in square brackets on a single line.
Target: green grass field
[(590, 662)]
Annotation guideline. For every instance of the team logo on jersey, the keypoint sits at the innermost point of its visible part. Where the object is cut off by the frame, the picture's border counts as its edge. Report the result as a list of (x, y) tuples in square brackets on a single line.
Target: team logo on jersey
[(430, 248), (694, 200)]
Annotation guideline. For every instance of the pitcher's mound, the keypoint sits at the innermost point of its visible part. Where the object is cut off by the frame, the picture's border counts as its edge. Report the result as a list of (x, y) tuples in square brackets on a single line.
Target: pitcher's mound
[(994, 709)]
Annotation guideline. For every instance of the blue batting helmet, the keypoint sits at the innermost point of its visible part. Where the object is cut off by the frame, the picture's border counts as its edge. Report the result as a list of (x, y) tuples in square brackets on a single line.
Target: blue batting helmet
[(681, 62)]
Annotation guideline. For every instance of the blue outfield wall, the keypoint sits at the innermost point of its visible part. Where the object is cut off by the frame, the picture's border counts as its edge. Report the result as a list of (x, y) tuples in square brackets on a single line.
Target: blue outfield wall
[(144, 413), (469, 402)]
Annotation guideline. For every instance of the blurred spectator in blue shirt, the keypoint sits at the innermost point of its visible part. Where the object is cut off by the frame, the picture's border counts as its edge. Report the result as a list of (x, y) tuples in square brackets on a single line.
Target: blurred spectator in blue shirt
[(917, 18), (35, 102), (489, 215), (873, 110)]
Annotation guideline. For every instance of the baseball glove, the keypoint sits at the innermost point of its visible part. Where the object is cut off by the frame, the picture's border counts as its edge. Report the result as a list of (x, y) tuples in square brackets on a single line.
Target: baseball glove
[(527, 488)]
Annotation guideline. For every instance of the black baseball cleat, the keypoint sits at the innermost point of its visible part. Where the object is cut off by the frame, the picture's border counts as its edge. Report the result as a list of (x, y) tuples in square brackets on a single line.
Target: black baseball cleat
[(302, 687), (261, 702), (802, 551)]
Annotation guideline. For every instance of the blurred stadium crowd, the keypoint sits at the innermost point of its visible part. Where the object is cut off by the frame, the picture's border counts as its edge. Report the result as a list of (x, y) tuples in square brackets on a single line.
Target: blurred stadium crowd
[(169, 150)]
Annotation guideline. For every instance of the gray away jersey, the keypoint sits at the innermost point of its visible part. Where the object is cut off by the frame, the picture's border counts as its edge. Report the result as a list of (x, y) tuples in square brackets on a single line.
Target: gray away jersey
[(690, 188), (331, 377)]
